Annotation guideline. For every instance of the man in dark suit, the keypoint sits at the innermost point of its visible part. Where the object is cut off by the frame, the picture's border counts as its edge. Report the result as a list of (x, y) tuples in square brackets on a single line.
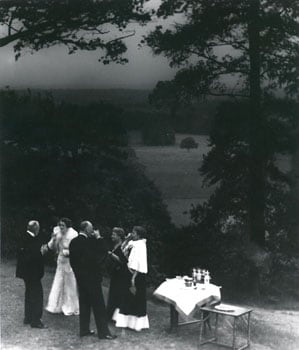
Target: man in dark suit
[(30, 268), (87, 256)]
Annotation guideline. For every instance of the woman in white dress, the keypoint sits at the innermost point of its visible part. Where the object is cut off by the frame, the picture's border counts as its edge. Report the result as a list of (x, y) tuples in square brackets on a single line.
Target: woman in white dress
[(132, 311), (63, 297)]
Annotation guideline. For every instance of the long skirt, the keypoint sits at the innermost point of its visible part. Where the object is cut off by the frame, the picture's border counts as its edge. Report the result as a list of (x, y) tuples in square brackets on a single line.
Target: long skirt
[(132, 312), (63, 297)]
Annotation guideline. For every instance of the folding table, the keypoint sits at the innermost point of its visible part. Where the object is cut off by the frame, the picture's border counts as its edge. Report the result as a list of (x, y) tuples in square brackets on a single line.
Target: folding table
[(185, 301)]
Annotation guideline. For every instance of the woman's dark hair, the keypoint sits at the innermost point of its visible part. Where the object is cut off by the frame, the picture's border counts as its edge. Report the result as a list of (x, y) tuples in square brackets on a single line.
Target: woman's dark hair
[(67, 221), (141, 231), (120, 232)]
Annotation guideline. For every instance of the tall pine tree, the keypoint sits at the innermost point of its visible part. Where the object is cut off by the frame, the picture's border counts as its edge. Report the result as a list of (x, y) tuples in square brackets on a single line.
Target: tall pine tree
[(246, 49)]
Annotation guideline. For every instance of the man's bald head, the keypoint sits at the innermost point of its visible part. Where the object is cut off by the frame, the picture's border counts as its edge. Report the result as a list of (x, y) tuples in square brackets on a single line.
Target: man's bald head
[(86, 227), (33, 226)]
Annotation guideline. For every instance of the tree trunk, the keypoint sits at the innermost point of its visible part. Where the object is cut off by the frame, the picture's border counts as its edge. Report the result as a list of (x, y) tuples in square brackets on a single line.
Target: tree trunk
[(257, 149), (294, 200)]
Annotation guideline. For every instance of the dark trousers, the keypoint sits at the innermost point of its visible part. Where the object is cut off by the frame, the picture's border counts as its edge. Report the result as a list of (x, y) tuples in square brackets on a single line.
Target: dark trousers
[(91, 298), (33, 301)]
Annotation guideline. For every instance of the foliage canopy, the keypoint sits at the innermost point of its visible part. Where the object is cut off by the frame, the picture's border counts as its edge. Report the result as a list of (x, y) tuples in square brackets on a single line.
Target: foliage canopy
[(246, 49), (78, 24), (67, 160)]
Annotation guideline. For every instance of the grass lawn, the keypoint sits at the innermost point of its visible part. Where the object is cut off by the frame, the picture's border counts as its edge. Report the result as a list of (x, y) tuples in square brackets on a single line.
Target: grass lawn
[(175, 172), (271, 329)]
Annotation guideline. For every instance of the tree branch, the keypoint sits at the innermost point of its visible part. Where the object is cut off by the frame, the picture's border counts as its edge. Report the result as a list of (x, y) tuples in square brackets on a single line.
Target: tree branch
[(226, 94), (121, 37), (13, 37)]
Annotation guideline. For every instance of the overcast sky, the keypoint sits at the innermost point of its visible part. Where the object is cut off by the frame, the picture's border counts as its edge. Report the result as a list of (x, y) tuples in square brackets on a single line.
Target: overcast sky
[(55, 68)]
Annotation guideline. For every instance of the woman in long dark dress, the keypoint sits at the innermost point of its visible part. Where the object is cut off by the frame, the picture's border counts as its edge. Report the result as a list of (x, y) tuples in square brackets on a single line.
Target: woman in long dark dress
[(119, 273), (132, 312)]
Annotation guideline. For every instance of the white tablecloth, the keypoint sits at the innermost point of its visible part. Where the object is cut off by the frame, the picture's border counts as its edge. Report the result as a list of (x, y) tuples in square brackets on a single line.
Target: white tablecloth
[(186, 299)]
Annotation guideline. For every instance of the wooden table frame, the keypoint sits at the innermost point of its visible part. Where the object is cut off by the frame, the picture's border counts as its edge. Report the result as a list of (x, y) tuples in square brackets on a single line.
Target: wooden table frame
[(174, 320), (241, 313)]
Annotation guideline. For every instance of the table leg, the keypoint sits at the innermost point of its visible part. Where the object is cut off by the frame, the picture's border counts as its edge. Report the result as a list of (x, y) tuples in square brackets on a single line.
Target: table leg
[(201, 326), (234, 334), (216, 327), (174, 319), (248, 330), (207, 323)]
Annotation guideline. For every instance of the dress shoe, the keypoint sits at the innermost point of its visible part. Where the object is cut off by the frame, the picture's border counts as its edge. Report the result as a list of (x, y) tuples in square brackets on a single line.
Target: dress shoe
[(107, 336), (39, 325), (85, 334)]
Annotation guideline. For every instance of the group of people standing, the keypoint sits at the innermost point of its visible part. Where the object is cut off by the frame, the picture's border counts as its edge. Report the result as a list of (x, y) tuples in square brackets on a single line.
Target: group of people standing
[(81, 261)]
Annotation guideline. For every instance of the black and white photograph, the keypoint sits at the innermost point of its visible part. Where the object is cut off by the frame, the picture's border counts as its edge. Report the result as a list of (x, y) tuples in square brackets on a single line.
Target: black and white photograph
[(149, 174)]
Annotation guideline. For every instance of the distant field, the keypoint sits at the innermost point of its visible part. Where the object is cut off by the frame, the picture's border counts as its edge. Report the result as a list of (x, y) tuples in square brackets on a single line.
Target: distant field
[(175, 172)]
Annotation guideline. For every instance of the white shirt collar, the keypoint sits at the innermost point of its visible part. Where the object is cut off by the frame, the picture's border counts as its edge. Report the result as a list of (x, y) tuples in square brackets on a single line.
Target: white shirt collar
[(83, 234), (31, 233)]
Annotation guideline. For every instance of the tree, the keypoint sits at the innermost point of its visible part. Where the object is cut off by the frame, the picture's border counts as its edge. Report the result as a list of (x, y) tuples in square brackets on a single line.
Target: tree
[(72, 160), (225, 215), (188, 143), (156, 130), (166, 94), (252, 42), (78, 24)]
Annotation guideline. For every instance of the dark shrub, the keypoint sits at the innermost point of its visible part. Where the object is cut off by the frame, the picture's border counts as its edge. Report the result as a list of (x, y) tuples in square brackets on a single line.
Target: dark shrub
[(79, 169), (188, 143), (158, 136), (157, 131), (225, 216)]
